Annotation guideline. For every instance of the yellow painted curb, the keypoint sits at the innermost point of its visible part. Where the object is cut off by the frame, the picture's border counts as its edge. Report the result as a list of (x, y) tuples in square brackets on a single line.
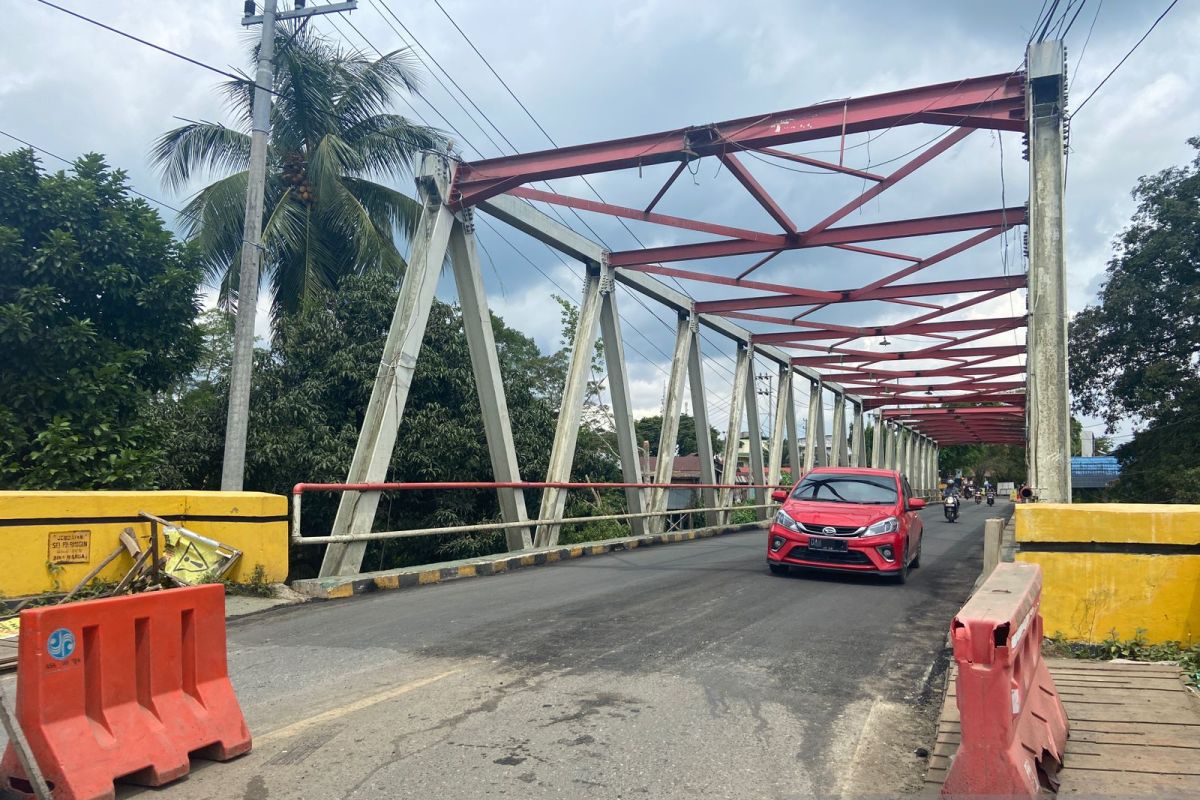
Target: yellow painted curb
[(466, 571), (430, 576)]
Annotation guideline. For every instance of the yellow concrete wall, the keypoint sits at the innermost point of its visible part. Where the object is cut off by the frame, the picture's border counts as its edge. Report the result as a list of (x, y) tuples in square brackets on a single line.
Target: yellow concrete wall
[(253, 522), (1089, 595)]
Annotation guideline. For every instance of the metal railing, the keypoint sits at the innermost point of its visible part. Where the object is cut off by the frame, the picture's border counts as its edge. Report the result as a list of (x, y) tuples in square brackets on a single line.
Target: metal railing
[(301, 488)]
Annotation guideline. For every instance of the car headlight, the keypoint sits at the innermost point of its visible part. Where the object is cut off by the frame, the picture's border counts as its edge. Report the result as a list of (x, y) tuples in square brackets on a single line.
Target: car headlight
[(889, 525), (782, 518)]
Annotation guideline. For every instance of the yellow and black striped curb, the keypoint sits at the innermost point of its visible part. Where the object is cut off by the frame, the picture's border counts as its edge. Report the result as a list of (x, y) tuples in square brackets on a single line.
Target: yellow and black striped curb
[(411, 577)]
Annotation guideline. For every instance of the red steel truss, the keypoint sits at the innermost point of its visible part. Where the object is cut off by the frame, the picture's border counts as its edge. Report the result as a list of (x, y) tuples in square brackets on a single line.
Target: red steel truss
[(959, 382)]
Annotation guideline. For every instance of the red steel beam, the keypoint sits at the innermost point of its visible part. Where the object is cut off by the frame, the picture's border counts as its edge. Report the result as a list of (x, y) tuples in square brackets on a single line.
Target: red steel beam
[(862, 374), (812, 162), (965, 411), (908, 169), (1000, 351), (932, 289), (646, 216), (756, 190), (847, 234), (938, 257), (998, 98), (665, 186), (916, 400), (704, 277), (903, 328)]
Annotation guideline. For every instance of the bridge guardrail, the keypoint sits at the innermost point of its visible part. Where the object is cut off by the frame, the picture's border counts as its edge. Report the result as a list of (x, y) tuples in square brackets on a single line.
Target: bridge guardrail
[(301, 488)]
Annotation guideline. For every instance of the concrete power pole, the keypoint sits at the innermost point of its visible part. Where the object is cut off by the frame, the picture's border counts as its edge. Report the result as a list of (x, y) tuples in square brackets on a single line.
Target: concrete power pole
[(233, 466), (1048, 402)]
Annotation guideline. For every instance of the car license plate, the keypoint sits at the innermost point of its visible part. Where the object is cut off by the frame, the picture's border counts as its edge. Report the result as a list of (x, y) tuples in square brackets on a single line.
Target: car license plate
[(828, 545)]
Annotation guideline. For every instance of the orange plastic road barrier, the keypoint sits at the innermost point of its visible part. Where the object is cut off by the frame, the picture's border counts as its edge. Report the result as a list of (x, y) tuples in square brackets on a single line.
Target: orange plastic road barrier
[(124, 687), (1014, 728)]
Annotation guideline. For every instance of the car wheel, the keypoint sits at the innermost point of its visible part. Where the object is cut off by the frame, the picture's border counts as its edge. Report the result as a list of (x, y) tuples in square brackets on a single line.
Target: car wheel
[(902, 573), (778, 569), (916, 562)]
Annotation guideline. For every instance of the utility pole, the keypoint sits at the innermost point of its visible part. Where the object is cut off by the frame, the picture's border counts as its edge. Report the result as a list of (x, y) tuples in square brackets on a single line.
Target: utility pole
[(233, 466), (1047, 408)]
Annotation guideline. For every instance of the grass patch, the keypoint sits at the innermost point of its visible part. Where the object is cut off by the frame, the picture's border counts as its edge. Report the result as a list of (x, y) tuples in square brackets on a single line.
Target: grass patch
[(1135, 649), (256, 586)]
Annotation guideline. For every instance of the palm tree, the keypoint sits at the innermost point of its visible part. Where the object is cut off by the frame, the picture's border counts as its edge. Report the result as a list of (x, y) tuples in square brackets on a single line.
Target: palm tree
[(332, 138)]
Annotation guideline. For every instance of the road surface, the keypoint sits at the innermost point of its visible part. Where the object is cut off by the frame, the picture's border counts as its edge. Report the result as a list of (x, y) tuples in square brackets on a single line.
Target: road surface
[(680, 671)]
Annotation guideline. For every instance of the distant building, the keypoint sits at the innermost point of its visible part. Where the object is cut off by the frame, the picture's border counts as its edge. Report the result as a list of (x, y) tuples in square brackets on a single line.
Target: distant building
[(1094, 472), (744, 449)]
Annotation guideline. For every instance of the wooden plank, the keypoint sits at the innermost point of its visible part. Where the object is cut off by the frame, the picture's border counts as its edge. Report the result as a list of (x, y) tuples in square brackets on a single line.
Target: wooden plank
[(1134, 685), (1102, 668), (1092, 713), (1139, 758), (1153, 736), (1171, 694), (1091, 783)]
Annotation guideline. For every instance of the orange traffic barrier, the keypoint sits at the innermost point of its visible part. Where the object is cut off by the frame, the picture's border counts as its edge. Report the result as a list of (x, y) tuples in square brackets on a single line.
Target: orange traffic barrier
[(124, 687), (1014, 728)]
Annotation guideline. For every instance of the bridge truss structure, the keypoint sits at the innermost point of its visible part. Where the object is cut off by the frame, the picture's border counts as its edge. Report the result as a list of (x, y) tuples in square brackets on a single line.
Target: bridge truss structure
[(945, 382)]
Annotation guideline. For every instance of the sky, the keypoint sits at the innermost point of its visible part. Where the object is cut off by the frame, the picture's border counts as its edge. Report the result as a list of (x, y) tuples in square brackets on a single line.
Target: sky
[(594, 70)]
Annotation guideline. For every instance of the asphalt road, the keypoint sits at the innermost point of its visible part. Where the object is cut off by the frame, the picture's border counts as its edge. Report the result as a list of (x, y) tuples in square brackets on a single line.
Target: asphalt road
[(678, 671)]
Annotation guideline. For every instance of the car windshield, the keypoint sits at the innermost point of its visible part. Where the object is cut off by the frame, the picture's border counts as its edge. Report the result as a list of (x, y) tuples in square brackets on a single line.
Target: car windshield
[(836, 487)]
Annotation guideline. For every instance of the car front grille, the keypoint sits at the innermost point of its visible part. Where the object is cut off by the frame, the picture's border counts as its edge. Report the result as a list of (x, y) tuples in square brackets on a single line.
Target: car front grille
[(838, 530), (803, 553)]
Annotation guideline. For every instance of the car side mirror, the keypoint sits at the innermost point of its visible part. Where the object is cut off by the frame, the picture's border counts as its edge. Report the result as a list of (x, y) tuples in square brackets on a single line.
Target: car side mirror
[(916, 504), (779, 495)]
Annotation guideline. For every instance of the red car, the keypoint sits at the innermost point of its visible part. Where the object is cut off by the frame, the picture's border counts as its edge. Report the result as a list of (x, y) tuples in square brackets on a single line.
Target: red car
[(848, 519)]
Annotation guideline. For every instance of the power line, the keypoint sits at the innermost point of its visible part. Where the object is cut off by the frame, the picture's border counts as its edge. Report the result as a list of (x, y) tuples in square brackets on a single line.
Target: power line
[(545, 133), (1123, 59), (160, 48), (1083, 50)]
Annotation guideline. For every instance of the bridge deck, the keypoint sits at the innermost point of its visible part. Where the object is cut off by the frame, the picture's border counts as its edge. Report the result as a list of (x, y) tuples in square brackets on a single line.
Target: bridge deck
[(1135, 731), (681, 671)]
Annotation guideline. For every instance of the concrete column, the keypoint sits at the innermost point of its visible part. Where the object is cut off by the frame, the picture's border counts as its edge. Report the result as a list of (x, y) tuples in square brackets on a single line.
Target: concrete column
[(398, 362), (570, 412), (733, 433), (704, 446), (618, 388), (783, 399), (923, 469), (877, 445), (1048, 412), (889, 447), (858, 449), (823, 455), (812, 427), (840, 455), (754, 430), (793, 436), (669, 433), (904, 449), (485, 365)]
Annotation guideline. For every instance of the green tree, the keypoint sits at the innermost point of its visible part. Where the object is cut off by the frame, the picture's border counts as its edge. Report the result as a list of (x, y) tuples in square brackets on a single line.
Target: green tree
[(650, 428), (332, 137), (313, 386), (1134, 353), (97, 309)]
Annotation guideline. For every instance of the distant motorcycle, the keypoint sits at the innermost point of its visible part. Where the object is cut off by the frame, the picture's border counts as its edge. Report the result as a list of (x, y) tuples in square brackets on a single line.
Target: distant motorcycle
[(950, 507), (991, 497), (978, 498)]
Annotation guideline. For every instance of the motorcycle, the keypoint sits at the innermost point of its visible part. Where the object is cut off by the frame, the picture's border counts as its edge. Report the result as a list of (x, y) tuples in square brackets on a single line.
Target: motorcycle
[(991, 498), (950, 507), (978, 498)]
